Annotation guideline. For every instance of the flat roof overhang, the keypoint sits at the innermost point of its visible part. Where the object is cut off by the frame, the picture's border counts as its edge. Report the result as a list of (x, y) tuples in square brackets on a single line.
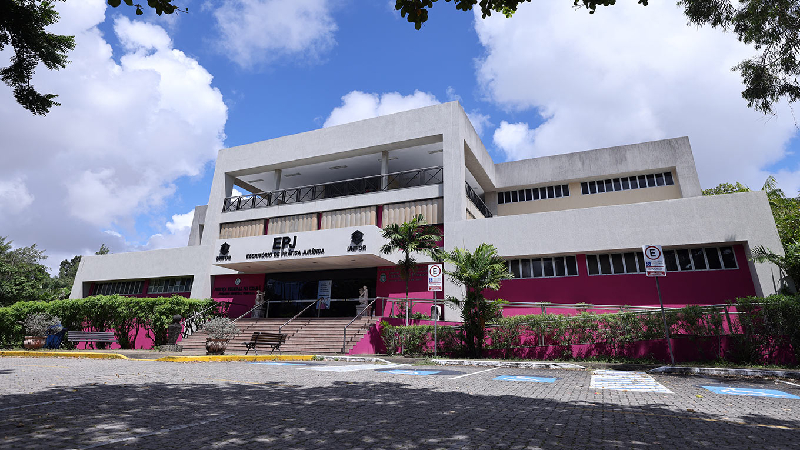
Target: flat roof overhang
[(338, 248)]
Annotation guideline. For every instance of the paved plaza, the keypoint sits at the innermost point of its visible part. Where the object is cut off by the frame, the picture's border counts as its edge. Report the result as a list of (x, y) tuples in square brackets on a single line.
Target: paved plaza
[(83, 404)]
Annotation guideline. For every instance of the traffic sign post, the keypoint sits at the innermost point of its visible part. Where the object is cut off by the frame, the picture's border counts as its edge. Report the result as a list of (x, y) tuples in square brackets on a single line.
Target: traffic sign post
[(655, 266), (435, 284)]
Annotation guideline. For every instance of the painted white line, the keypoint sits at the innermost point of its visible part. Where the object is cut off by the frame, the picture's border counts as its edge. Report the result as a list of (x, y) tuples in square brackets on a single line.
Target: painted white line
[(626, 381), (474, 373), (40, 404), (351, 367), (793, 384), (162, 431)]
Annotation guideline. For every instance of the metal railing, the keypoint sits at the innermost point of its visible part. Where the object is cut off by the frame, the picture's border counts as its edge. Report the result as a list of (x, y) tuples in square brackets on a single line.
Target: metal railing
[(298, 314), (354, 186), (192, 325), (476, 200), (358, 314)]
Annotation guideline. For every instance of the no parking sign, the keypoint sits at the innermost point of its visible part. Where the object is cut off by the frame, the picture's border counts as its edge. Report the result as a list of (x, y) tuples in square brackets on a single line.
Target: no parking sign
[(435, 281), (654, 265)]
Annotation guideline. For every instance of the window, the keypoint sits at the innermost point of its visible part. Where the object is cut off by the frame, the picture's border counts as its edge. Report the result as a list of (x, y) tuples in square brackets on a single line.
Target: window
[(169, 285), (677, 260), (626, 183), (119, 288), (532, 194), (551, 267)]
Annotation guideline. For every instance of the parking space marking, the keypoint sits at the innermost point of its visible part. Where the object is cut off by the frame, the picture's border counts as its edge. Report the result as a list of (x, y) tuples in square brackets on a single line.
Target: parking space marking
[(751, 392), (278, 364), (411, 372), (525, 378), (351, 367), (474, 373), (626, 381)]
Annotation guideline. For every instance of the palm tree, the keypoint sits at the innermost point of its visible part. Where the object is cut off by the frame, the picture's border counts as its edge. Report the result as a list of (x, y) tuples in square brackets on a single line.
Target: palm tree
[(789, 262), (477, 271), (414, 236)]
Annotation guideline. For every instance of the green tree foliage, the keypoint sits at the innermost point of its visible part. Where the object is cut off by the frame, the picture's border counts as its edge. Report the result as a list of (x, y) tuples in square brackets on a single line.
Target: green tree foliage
[(22, 276), (22, 27), (103, 250), (414, 236), (726, 188), (477, 271), (771, 26)]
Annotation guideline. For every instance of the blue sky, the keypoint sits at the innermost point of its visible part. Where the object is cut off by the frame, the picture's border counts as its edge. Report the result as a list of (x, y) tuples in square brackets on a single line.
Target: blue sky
[(147, 101)]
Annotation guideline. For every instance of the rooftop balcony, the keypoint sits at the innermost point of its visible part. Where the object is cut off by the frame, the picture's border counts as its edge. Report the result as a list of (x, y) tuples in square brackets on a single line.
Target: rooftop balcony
[(354, 186)]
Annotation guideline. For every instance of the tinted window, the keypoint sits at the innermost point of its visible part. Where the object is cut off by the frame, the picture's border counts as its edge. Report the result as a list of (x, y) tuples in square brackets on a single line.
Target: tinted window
[(712, 254), (634, 183), (609, 186), (500, 198), (616, 262), (565, 190), (561, 268), (526, 268), (548, 267), (684, 262), (515, 268), (630, 263), (592, 187), (642, 181), (528, 195), (659, 179), (591, 264), (551, 192), (535, 193), (584, 188), (669, 257), (601, 187), (640, 261), (543, 193), (558, 191), (617, 184), (605, 264), (651, 180), (698, 259), (668, 178), (572, 265), (508, 196), (625, 183), (522, 195), (514, 196), (537, 268), (728, 258)]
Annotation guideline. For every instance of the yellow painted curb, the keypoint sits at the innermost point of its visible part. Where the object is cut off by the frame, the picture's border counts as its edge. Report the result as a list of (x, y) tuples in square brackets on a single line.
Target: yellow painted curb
[(35, 354), (237, 358)]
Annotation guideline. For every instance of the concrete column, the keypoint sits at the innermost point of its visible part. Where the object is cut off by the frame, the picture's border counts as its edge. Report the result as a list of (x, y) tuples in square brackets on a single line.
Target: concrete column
[(278, 173), (384, 169)]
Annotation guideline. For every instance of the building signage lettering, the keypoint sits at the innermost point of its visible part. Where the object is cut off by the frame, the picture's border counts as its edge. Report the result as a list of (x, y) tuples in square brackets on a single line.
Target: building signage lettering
[(280, 243), (279, 254), (357, 242)]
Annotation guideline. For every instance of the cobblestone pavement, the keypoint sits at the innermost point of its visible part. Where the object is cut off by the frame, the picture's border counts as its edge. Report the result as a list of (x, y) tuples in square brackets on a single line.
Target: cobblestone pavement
[(63, 403)]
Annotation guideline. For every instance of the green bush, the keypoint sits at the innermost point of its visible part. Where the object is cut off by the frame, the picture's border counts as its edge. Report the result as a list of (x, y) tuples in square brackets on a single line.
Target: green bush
[(766, 325), (127, 316), (417, 340)]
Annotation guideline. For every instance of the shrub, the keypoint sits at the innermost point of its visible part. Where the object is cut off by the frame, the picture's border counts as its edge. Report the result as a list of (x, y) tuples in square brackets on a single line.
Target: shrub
[(220, 328), (37, 324)]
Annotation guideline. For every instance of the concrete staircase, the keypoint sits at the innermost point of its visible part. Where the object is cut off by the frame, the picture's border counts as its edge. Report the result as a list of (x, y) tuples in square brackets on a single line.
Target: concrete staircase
[(304, 335)]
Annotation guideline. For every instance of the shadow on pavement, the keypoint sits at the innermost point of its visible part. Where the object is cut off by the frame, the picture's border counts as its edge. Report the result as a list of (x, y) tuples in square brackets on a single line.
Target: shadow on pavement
[(356, 415)]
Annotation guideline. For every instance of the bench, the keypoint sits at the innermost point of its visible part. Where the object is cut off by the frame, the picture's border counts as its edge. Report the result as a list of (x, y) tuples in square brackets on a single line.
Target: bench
[(259, 339), (91, 336)]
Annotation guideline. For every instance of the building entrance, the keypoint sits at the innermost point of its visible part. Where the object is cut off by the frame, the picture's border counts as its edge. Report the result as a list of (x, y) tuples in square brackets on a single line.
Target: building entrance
[(288, 293)]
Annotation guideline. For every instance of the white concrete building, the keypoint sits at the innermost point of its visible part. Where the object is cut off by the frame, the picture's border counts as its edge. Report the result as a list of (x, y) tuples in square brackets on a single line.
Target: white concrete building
[(571, 225)]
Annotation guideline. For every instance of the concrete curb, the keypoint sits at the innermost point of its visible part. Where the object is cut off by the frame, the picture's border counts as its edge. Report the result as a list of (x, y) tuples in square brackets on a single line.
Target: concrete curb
[(219, 358), (721, 371), (512, 364), (353, 359), (35, 354), (198, 358)]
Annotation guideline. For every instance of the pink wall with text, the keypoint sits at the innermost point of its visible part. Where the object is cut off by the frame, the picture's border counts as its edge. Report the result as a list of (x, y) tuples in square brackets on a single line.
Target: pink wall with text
[(243, 293)]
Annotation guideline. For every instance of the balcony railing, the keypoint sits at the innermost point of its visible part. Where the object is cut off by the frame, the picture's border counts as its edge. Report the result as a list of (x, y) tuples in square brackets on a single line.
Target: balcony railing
[(476, 200), (375, 183)]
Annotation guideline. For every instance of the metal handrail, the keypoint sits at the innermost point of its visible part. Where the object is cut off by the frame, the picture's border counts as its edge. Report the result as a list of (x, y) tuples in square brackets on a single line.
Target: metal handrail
[(298, 314), (189, 322), (344, 340), (317, 191), (476, 200)]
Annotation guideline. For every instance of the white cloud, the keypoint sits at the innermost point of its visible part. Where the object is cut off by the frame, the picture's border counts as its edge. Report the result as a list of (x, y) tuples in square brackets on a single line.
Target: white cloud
[(124, 133), (480, 122), (177, 234), (626, 74), (357, 105), (14, 195), (255, 32)]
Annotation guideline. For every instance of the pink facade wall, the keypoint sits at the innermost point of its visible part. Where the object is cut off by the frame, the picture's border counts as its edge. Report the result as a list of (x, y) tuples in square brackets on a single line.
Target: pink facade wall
[(677, 288), (243, 295)]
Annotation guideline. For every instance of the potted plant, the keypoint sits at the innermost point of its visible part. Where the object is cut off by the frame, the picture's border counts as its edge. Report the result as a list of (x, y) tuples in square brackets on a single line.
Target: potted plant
[(36, 328), (220, 330)]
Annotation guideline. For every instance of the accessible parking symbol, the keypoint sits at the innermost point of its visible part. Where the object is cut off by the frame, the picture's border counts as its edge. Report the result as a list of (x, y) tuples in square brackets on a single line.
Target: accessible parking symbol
[(525, 378), (752, 392)]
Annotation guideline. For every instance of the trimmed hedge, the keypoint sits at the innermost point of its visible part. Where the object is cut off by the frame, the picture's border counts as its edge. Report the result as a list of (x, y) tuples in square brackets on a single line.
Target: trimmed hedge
[(125, 315), (761, 332)]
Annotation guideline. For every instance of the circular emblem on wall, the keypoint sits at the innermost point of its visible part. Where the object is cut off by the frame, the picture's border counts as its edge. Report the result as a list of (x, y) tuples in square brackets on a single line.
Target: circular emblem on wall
[(383, 278), (238, 280)]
